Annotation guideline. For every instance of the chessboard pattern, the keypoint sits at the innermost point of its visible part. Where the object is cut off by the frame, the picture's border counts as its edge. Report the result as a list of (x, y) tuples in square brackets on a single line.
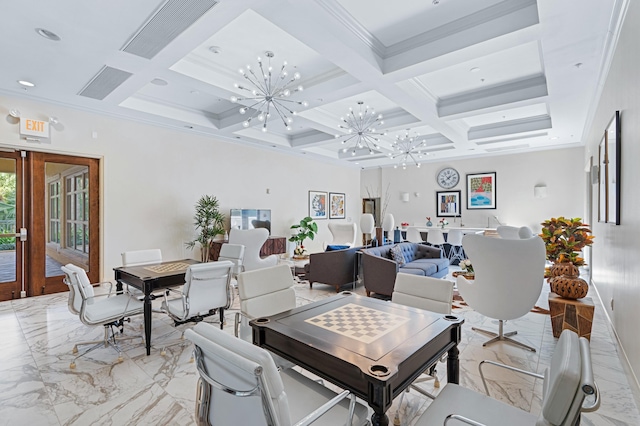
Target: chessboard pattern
[(358, 322), (168, 267)]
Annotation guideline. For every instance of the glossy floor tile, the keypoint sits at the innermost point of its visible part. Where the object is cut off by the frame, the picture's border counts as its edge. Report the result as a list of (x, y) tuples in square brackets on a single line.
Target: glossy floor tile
[(38, 387)]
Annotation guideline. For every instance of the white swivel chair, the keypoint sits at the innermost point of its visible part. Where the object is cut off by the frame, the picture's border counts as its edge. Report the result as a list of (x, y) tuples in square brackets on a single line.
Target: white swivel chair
[(206, 289), (367, 226), (107, 310), (455, 240), (508, 279), (413, 235), (344, 234), (566, 383), (253, 240), (435, 237), (508, 232), (141, 257), (233, 253), (525, 232), (430, 294), (239, 384), (387, 225)]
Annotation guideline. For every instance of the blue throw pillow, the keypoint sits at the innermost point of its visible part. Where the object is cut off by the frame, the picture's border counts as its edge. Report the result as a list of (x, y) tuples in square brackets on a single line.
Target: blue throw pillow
[(397, 255), (336, 247)]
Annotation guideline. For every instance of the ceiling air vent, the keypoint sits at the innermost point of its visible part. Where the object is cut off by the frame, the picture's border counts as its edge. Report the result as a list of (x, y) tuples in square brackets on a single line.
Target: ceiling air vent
[(167, 23), (507, 148), (105, 82)]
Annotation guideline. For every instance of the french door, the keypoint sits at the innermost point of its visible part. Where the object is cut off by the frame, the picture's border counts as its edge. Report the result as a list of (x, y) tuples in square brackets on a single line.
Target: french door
[(49, 216)]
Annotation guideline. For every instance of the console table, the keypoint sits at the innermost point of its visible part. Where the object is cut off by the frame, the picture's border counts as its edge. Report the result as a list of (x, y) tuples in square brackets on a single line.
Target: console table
[(273, 245)]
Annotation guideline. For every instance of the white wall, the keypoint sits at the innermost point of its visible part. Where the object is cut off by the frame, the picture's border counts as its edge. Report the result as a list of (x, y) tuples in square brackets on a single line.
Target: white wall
[(616, 249), (560, 170), (153, 176)]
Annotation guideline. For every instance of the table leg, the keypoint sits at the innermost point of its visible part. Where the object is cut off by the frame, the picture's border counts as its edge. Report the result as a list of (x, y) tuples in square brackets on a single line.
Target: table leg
[(453, 366), (147, 321), (379, 419)]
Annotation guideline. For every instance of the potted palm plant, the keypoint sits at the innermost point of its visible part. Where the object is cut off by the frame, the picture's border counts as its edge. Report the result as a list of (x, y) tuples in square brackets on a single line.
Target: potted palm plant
[(307, 228), (209, 223), (564, 240)]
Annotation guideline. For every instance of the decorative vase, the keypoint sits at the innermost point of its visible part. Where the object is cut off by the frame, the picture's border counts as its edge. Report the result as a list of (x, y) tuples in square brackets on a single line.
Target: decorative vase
[(429, 223), (565, 283)]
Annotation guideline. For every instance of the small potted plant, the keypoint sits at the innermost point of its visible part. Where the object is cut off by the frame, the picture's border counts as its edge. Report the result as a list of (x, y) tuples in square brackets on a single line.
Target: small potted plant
[(307, 228), (209, 222), (564, 240)]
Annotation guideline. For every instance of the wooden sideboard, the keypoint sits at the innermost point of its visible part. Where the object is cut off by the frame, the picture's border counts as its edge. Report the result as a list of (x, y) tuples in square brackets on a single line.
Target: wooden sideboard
[(273, 245)]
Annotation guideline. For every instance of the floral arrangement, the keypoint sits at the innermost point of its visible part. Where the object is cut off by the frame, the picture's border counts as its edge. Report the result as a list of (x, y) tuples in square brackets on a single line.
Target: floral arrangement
[(443, 222), (300, 250), (428, 218), (404, 224), (466, 266), (565, 238)]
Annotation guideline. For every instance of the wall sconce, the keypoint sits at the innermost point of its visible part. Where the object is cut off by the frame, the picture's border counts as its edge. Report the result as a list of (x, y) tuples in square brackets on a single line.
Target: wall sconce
[(15, 113), (540, 191), (404, 196)]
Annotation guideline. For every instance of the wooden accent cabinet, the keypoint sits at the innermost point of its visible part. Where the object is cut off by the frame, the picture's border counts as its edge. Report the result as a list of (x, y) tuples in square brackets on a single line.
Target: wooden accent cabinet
[(273, 245)]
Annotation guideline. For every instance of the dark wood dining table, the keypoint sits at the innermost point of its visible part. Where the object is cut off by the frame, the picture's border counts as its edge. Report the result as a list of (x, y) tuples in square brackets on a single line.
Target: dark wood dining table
[(370, 347), (149, 278)]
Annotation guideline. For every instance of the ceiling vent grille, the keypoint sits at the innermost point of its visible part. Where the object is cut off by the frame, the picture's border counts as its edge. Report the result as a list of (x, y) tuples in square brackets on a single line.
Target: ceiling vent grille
[(166, 24), (105, 82), (507, 148)]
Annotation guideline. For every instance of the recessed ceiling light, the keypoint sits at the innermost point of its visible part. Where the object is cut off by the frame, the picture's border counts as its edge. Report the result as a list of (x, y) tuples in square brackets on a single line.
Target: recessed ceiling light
[(48, 34), (474, 69), (553, 138), (159, 82), (215, 49), (14, 112), (26, 83)]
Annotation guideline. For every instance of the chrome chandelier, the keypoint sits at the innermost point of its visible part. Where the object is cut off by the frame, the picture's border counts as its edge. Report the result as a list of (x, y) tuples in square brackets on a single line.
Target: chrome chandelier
[(270, 92), (360, 127), (408, 149)]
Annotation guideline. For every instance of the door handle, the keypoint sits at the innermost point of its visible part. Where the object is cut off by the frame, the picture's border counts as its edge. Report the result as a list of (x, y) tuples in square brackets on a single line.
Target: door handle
[(22, 234)]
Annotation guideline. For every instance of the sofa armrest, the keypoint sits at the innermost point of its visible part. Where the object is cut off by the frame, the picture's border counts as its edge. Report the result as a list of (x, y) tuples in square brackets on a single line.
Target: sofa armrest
[(428, 252), (379, 274)]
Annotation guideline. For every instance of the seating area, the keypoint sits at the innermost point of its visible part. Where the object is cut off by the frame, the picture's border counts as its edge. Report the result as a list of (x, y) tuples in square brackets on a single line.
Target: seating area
[(166, 385)]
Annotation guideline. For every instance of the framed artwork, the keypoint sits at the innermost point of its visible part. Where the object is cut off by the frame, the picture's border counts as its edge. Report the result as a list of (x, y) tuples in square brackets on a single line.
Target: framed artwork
[(336, 205), (602, 182), (613, 155), (448, 203), (317, 205), (481, 191)]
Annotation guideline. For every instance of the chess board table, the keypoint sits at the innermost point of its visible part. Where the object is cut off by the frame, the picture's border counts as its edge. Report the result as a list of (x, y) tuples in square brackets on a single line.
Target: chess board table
[(148, 278), (371, 347)]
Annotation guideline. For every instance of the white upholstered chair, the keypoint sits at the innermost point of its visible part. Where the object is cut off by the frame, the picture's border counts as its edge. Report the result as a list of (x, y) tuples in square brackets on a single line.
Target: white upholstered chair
[(367, 226), (233, 253), (435, 237), (252, 240), (239, 384), (508, 232), (430, 294), (508, 279), (413, 235), (141, 257), (525, 232), (108, 310), (206, 289), (566, 384), (344, 234)]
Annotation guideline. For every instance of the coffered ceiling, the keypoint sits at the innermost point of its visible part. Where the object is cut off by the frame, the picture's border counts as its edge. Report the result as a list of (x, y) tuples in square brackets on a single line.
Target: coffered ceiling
[(471, 77)]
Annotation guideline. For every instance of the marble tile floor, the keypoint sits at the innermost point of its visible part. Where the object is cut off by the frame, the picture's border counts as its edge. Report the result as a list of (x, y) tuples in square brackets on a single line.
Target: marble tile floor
[(38, 388)]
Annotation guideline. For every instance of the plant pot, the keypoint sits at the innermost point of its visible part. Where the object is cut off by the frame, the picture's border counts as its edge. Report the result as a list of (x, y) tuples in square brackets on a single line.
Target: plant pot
[(565, 283)]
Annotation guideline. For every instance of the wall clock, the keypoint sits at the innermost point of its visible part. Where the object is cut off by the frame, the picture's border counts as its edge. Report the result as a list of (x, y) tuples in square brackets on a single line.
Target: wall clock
[(448, 177)]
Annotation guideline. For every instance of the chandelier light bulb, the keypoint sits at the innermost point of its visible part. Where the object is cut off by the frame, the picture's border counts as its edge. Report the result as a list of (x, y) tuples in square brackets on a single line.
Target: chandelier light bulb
[(286, 92), (234, 99), (296, 75), (245, 124), (264, 129), (300, 88)]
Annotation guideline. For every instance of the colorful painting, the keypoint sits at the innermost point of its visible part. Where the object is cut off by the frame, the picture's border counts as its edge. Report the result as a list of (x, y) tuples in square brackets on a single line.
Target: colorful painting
[(317, 205), (481, 191), (336, 205), (448, 203)]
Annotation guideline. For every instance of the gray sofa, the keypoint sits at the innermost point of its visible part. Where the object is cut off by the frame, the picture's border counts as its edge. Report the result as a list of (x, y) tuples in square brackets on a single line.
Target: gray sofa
[(336, 268), (379, 270)]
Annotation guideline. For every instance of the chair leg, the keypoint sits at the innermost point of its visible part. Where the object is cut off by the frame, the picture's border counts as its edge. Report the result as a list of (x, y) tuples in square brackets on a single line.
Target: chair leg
[(221, 318), (501, 336), (107, 341)]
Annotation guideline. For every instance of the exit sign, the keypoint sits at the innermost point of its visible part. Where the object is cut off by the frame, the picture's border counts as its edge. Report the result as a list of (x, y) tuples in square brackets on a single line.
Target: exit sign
[(35, 129)]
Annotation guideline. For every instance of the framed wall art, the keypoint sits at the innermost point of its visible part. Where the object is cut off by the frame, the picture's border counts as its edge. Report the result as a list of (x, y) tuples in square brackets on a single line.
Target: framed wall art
[(317, 205), (481, 191), (448, 203), (612, 139), (336, 205)]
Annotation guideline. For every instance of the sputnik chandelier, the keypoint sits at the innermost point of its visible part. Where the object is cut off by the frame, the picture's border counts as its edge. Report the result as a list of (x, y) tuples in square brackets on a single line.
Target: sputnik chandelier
[(270, 92), (407, 149), (360, 129)]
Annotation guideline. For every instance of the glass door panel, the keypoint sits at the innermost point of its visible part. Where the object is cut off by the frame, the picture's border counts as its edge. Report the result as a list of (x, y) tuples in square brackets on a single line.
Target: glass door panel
[(10, 221)]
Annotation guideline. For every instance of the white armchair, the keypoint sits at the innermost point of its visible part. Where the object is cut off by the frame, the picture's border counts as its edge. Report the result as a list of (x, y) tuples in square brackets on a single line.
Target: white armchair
[(253, 240), (367, 226), (344, 234), (508, 279)]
